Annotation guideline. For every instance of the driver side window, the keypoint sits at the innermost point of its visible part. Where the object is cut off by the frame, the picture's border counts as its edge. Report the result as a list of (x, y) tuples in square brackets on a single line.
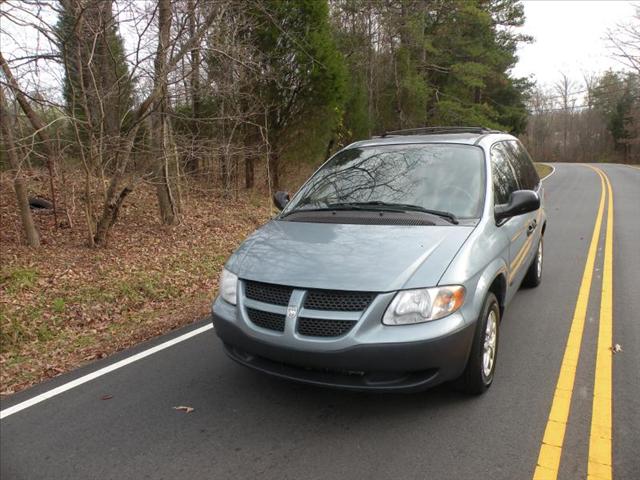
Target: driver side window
[(504, 179)]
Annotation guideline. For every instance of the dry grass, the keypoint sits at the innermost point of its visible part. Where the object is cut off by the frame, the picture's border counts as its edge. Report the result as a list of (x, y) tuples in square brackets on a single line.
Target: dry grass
[(543, 169), (65, 304)]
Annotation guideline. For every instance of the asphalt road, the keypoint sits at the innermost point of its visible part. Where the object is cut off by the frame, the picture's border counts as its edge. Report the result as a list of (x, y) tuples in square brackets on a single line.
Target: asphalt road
[(248, 426)]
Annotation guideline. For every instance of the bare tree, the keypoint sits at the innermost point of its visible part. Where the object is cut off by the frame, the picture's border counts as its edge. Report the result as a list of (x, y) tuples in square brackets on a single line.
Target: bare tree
[(564, 89), (625, 41), (539, 126), (163, 146), (122, 182), (19, 184)]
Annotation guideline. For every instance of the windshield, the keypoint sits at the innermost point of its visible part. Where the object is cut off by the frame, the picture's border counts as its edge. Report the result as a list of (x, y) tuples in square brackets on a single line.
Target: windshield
[(439, 177)]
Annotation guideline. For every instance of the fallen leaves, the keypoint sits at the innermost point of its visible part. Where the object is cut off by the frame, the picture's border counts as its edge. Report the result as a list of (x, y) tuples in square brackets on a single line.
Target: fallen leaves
[(184, 409), (65, 304)]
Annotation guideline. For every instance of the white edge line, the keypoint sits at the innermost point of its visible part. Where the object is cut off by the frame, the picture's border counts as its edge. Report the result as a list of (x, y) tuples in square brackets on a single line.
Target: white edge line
[(634, 166), (98, 373), (553, 170)]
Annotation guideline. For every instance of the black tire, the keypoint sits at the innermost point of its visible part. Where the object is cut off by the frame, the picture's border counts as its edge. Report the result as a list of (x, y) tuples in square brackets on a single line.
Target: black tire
[(39, 203), (534, 275), (474, 381)]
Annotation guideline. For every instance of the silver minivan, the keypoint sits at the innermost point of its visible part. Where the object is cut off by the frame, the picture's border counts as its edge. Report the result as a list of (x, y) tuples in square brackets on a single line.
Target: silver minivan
[(391, 267)]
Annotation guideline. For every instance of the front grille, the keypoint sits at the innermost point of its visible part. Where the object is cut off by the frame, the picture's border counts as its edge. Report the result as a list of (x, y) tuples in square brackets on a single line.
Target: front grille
[(313, 327), (337, 300), (268, 320), (267, 292)]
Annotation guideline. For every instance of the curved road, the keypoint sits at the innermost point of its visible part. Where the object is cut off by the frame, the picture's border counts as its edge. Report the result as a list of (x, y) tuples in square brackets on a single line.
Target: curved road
[(248, 426)]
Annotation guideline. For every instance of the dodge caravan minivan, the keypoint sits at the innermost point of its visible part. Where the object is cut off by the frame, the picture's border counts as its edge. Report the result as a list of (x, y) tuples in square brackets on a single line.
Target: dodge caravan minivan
[(391, 267)]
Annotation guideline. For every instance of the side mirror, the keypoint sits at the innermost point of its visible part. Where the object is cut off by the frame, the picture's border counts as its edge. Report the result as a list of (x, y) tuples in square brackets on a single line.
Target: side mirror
[(280, 199), (520, 202)]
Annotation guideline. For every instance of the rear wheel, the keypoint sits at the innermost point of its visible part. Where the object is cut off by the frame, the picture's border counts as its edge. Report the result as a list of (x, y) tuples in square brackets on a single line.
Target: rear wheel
[(478, 374), (534, 274)]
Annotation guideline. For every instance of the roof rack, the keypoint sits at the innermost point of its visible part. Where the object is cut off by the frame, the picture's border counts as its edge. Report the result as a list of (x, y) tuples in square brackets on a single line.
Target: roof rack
[(439, 130)]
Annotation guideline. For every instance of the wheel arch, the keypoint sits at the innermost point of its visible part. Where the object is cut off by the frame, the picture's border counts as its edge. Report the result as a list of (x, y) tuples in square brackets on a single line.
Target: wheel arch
[(499, 288), (493, 279)]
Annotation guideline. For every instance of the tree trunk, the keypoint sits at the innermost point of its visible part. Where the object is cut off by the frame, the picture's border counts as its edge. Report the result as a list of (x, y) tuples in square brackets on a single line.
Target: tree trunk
[(115, 193), (162, 139), (248, 172), (224, 171), (30, 230), (193, 163), (167, 200), (370, 69), (274, 169), (330, 146), (110, 213)]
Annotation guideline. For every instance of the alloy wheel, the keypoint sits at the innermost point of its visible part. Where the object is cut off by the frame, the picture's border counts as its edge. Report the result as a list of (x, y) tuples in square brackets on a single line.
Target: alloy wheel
[(490, 343)]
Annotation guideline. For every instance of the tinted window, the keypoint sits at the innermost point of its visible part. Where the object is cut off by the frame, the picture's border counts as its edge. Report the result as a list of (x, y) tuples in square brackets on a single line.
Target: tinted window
[(434, 176), (504, 180), (523, 166)]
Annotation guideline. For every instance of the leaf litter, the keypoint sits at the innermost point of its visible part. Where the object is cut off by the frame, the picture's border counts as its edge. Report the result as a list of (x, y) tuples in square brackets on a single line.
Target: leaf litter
[(65, 304)]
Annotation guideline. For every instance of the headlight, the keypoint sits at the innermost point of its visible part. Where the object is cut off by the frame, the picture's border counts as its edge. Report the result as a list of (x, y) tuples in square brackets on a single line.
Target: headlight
[(422, 305), (228, 286)]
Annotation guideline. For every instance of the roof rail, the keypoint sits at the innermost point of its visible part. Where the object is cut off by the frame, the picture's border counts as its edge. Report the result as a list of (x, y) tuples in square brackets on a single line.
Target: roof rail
[(439, 130)]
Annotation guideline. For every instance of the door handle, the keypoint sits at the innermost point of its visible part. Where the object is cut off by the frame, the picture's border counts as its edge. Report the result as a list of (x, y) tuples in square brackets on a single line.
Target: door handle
[(531, 227)]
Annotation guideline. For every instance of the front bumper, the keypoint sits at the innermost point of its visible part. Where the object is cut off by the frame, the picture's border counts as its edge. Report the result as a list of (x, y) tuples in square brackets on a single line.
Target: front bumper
[(417, 362)]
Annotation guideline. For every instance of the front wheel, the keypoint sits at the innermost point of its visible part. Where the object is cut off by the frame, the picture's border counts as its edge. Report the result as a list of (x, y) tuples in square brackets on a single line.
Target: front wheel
[(478, 374), (534, 275)]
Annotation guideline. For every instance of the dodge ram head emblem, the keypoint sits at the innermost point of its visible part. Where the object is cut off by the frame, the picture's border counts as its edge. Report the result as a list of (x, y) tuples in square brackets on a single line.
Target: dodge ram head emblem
[(292, 312)]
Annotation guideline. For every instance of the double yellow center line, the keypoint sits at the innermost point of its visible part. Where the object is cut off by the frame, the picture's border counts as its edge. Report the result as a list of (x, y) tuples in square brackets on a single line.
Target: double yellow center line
[(600, 458), (600, 439)]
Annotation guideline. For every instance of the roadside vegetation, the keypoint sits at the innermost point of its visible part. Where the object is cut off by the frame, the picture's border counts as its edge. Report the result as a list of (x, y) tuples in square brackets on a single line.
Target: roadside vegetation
[(63, 304), (596, 119)]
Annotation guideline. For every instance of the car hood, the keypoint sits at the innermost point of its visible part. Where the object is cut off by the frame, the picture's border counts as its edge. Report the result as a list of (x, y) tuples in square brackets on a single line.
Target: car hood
[(374, 258)]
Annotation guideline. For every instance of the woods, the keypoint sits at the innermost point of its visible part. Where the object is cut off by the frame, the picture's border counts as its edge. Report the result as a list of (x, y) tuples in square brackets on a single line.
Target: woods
[(233, 95), (593, 119)]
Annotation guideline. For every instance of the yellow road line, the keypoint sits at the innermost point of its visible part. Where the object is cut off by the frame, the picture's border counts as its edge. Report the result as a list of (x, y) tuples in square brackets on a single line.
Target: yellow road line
[(600, 439), (553, 440)]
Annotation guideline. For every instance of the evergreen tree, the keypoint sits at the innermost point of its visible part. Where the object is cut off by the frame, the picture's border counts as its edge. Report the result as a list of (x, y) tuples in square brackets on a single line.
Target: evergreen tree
[(97, 86), (616, 97), (475, 46), (303, 81), (436, 63)]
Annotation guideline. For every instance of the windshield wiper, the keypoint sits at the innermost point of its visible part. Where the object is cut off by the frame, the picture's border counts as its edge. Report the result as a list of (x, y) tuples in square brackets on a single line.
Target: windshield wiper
[(378, 205), (395, 207)]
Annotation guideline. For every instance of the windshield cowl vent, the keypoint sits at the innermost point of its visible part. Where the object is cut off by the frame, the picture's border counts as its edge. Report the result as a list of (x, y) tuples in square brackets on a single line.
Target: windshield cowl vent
[(361, 218)]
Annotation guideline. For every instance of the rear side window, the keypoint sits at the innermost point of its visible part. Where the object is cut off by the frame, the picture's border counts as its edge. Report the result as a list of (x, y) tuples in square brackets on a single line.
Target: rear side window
[(523, 166), (503, 176)]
